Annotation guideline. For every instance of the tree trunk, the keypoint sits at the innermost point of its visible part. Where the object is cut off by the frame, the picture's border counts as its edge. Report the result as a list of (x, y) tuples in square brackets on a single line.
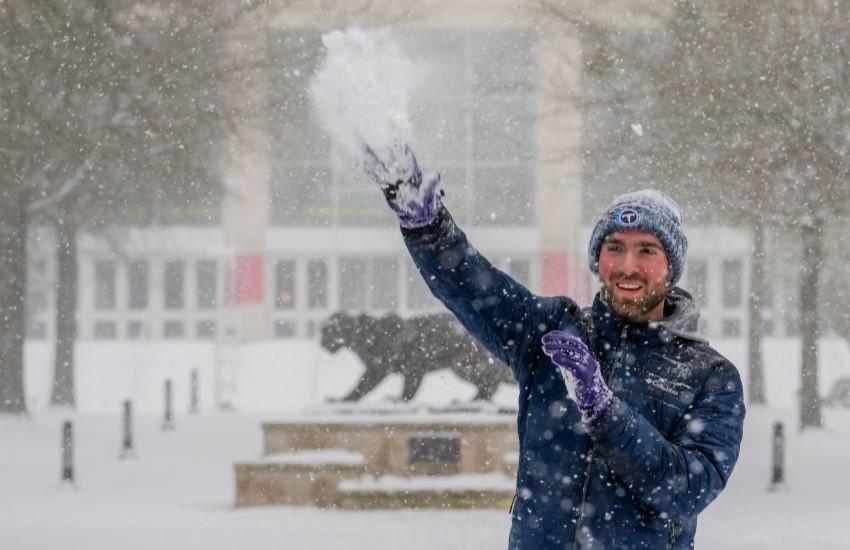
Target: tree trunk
[(755, 390), (66, 309), (13, 270), (810, 414)]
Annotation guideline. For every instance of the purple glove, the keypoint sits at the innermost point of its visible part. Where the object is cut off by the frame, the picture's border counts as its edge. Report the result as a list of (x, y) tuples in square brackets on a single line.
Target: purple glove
[(400, 179), (578, 365)]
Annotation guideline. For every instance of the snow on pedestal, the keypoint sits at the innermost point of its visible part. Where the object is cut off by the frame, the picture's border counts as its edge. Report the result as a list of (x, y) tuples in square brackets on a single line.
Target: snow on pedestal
[(408, 458), (490, 490)]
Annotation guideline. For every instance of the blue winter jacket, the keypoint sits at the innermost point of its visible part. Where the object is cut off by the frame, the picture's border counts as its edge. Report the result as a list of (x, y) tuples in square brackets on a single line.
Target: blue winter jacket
[(639, 476)]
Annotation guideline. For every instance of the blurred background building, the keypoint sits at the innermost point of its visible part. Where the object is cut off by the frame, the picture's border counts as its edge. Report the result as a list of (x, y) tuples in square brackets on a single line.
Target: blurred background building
[(300, 233)]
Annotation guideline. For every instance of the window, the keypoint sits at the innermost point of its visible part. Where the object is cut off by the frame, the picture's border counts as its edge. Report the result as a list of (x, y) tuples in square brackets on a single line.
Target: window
[(437, 117), (475, 115), (300, 194), (503, 62), (36, 329), (300, 179), (37, 302), (135, 330), (503, 129), (188, 204), (352, 284), (39, 266), (768, 324), (173, 329), (731, 274), (731, 328), (697, 278), (503, 195), (767, 295), (104, 281), (285, 284), (104, 330), (295, 136), (384, 285), (284, 328), (792, 325), (205, 329), (418, 294), (137, 285), (35, 305), (502, 82), (206, 287), (317, 284), (520, 270), (359, 202), (175, 274)]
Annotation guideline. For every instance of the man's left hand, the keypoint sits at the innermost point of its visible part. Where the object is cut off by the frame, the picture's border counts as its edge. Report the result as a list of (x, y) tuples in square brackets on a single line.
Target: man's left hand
[(576, 362)]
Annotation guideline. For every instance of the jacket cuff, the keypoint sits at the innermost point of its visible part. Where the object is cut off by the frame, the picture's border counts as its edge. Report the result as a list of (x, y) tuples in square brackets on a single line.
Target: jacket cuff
[(616, 419), (441, 218)]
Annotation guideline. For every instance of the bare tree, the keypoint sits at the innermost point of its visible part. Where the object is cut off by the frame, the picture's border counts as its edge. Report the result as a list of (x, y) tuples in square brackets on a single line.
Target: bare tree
[(644, 104), (779, 118), (106, 104), (743, 106)]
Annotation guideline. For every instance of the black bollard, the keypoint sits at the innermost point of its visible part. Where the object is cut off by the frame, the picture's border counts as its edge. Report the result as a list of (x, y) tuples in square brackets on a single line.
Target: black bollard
[(777, 478), (168, 421), (193, 400), (67, 453), (127, 443)]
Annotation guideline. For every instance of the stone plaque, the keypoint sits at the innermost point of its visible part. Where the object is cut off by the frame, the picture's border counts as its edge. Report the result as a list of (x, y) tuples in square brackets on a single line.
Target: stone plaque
[(434, 450)]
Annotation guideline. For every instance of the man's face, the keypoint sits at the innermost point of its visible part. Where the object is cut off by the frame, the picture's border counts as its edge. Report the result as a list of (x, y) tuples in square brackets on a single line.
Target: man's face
[(633, 269)]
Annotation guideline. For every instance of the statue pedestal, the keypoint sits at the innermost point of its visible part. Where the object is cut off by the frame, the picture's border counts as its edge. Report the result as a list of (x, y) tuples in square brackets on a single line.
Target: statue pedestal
[(378, 456)]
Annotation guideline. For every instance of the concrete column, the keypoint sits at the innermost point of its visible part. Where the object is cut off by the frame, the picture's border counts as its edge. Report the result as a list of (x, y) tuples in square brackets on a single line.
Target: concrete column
[(245, 215), (559, 187)]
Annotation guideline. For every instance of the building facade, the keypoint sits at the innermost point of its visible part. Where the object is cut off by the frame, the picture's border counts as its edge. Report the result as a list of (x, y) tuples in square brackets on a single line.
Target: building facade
[(304, 234)]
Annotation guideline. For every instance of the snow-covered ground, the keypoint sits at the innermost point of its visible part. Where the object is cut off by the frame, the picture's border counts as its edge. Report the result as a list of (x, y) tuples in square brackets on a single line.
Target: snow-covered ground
[(178, 493)]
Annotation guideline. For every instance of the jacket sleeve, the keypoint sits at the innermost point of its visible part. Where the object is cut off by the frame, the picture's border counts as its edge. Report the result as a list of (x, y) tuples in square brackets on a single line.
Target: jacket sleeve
[(499, 312), (677, 477)]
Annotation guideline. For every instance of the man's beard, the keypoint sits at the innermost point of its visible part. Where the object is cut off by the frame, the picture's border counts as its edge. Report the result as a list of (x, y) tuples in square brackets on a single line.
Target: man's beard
[(634, 309)]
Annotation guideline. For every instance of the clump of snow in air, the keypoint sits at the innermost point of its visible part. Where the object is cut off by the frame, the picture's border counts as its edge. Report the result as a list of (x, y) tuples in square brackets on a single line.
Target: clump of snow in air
[(362, 90)]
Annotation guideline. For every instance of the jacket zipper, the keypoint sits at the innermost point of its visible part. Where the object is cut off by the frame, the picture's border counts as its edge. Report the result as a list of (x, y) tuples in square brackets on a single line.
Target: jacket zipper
[(589, 469), (671, 536), (587, 473)]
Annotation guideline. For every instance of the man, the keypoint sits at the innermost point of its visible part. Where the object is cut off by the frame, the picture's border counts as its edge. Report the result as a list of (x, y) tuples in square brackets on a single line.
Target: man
[(629, 424)]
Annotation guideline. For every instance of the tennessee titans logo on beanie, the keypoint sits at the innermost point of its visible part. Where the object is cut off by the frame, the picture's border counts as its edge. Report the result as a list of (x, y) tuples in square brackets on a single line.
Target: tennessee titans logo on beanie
[(625, 216), (648, 210)]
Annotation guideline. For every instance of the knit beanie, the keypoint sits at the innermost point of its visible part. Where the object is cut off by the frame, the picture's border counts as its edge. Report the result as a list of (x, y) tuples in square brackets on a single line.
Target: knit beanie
[(648, 210)]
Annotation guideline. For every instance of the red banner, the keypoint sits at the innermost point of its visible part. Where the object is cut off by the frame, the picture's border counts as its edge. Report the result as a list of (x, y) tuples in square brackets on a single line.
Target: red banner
[(553, 273), (564, 274), (244, 280)]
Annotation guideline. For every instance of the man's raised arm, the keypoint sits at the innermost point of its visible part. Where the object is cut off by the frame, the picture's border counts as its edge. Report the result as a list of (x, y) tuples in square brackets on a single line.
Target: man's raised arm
[(499, 312)]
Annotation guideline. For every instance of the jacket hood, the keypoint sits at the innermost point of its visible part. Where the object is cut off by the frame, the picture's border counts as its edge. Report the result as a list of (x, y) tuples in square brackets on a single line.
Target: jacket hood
[(681, 315)]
